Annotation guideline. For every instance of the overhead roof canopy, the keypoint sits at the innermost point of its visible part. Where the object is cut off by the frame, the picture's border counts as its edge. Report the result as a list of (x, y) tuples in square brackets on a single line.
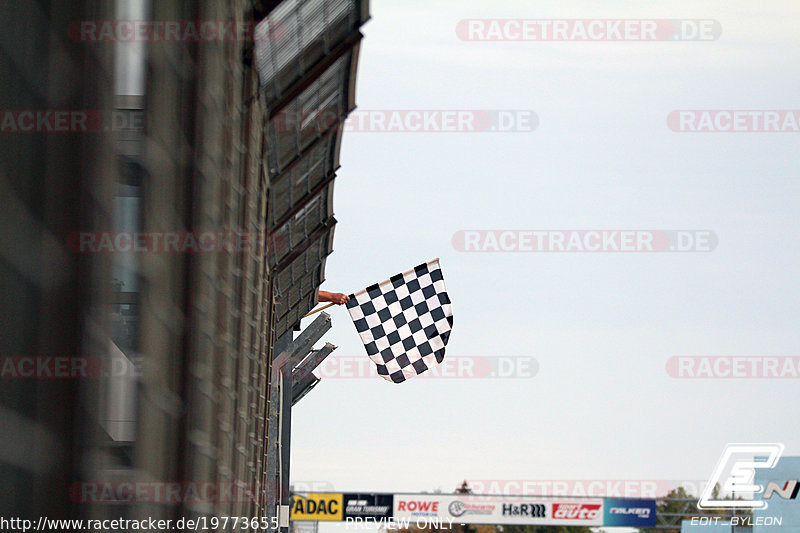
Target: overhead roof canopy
[(299, 34), (306, 56)]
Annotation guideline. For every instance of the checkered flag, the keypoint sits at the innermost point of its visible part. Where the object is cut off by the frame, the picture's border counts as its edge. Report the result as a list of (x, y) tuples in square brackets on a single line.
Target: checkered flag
[(404, 321)]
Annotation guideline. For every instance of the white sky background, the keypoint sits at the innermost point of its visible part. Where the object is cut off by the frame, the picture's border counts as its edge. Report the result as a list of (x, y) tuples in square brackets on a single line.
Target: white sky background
[(601, 326)]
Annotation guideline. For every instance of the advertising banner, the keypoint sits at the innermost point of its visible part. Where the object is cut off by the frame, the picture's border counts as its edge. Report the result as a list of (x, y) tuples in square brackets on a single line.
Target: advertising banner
[(469, 509), (630, 513), (320, 506), (363, 505), (473, 509), (782, 493)]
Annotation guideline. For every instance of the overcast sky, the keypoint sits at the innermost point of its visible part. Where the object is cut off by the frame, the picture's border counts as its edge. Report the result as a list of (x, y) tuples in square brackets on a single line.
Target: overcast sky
[(601, 326)]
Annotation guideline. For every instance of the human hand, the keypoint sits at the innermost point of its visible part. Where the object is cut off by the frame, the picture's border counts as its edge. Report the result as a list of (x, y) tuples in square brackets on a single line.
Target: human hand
[(338, 298)]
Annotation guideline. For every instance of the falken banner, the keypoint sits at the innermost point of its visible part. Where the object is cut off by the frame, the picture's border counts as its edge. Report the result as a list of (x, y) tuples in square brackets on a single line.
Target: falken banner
[(629, 513), (469, 509)]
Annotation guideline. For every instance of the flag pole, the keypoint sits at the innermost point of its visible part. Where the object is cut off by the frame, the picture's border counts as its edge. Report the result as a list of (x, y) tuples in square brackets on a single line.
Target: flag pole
[(320, 309)]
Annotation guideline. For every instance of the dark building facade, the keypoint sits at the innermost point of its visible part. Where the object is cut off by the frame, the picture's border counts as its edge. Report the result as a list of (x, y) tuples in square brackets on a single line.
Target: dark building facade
[(233, 136)]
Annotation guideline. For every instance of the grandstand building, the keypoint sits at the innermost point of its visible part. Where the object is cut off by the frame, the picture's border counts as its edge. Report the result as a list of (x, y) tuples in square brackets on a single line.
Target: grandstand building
[(235, 137)]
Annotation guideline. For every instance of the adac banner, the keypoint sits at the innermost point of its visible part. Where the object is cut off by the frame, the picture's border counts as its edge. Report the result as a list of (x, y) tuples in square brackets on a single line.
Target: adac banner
[(628, 512), (366, 505), (471, 509), (319, 506)]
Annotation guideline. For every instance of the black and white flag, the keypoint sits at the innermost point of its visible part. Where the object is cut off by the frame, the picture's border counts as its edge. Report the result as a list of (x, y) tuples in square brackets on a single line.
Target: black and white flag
[(404, 321)]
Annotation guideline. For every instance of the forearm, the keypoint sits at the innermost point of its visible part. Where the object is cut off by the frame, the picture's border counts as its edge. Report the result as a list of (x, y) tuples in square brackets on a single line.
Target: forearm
[(335, 297), (325, 296)]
